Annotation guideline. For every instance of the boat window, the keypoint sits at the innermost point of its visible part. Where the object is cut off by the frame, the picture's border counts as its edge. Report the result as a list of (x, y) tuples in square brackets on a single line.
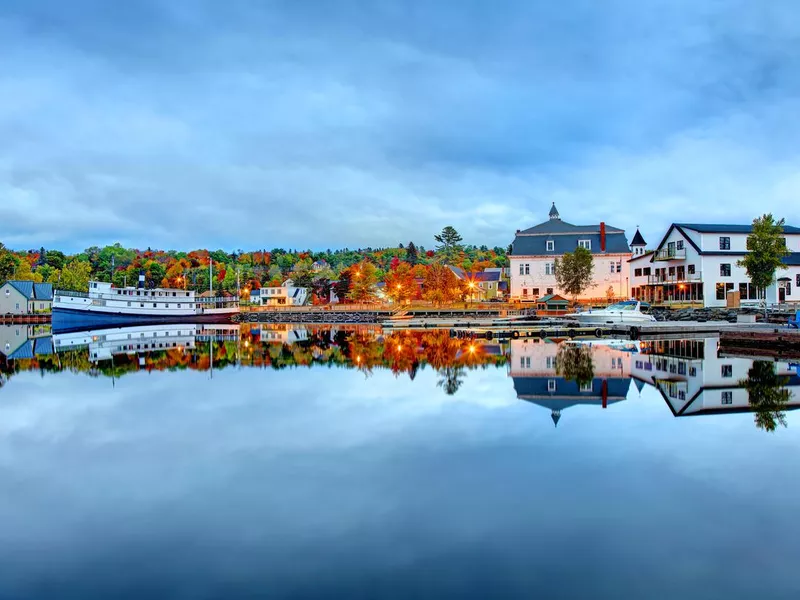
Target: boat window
[(155, 305), (179, 304)]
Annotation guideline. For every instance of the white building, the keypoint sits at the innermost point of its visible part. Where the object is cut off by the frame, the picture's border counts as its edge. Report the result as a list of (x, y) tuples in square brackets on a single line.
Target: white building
[(535, 251), (698, 263), (285, 294)]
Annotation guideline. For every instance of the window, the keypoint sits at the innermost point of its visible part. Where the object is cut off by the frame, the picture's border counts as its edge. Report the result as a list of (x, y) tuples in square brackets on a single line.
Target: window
[(726, 370), (725, 270), (528, 362), (524, 291), (17, 305), (549, 290), (551, 385), (551, 245), (179, 304), (619, 266), (637, 272), (535, 292), (521, 271), (549, 268), (155, 305), (679, 244), (788, 288), (527, 269), (690, 269), (724, 243), (743, 291), (672, 271), (129, 303), (646, 271), (727, 397), (585, 244), (586, 387), (720, 291), (692, 371), (797, 281)]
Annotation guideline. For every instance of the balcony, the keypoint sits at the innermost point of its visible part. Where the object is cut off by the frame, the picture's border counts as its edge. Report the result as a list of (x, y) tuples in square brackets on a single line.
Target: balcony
[(696, 277), (671, 254)]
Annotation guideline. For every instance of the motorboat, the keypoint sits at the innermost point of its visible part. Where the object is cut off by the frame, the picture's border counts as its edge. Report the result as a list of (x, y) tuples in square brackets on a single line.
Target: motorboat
[(624, 313)]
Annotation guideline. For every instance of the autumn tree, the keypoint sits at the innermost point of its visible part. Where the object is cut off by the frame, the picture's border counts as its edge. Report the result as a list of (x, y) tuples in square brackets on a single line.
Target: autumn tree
[(75, 276), (24, 273), (441, 285), (766, 249), (8, 264), (342, 287), (574, 272), (449, 246), (365, 277), (401, 285)]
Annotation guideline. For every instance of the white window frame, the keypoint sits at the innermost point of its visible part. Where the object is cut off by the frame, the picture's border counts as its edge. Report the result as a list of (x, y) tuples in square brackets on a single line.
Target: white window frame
[(551, 245), (587, 244), (551, 385)]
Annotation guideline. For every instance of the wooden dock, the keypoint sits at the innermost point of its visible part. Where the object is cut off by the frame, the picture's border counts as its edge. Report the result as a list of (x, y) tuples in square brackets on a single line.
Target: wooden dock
[(24, 319)]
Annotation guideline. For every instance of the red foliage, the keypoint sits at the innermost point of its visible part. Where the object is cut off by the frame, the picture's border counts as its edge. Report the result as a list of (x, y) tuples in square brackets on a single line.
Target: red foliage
[(394, 264), (429, 254)]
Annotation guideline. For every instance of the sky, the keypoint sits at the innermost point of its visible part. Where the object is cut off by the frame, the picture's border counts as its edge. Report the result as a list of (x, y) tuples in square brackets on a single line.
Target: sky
[(326, 124)]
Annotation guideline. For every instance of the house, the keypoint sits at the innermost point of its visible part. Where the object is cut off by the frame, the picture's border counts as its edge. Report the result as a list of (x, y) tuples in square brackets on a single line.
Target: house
[(25, 341), (535, 251), (285, 294), (698, 263), (552, 303), (481, 285), (537, 379), (25, 298)]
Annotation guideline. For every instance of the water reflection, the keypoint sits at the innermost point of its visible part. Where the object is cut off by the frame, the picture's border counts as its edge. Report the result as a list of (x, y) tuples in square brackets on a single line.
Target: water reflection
[(690, 375)]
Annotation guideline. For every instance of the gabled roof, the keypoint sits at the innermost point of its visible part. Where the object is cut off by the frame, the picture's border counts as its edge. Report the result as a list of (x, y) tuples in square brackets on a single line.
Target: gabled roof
[(552, 299), (559, 226), (488, 276), (458, 271), (568, 393), (536, 245), (43, 291), (23, 287), (24, 351), (638, 240), (649, 254)]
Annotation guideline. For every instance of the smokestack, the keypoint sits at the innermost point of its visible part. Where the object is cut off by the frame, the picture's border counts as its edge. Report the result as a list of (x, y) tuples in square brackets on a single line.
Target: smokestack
[(140, 285), (602, 236)]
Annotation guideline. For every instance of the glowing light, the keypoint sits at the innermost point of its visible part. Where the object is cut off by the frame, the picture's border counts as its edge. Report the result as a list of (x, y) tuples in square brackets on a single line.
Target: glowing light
[(472, 348)]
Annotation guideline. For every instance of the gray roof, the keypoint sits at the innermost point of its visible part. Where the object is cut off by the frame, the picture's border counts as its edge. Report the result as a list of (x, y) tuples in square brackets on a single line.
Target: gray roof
[(553, 211), (559, 226), (487, 276), (527, 245), (793, 260), (23, 287), (638, 240)]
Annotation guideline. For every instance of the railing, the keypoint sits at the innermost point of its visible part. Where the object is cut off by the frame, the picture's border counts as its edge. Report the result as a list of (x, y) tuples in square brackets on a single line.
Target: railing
[(670, 254), (70, 293), (696, 277)]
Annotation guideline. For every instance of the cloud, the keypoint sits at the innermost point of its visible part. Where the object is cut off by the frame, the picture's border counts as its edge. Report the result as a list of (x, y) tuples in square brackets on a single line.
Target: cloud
[(317, 124)]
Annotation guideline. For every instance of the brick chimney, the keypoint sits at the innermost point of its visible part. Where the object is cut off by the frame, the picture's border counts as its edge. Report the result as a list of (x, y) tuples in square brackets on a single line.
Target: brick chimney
[(602, 236)]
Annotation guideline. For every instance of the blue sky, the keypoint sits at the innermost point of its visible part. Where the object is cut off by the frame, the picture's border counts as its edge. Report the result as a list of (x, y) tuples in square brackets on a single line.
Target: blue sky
[(236, 124)]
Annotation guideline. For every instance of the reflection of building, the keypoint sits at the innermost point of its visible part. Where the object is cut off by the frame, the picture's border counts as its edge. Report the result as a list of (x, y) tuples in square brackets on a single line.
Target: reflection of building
[(280, 333), (25, 341), (534, 369), (693, 379)]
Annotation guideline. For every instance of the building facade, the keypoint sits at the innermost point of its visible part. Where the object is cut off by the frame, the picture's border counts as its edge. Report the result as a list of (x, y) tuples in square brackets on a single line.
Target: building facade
[(286, 294), (25, 298), (535, 251), (698, 263)]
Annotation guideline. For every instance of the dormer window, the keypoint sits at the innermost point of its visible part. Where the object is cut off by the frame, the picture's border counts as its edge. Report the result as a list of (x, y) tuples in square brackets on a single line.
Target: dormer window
[(585, 244), (551, 245)]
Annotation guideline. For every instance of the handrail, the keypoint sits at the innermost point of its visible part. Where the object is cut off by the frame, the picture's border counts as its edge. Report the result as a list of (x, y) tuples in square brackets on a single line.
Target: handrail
[(70, 293)]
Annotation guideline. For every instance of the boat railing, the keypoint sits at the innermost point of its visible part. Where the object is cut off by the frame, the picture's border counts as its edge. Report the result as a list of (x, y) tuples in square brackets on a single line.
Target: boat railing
[(71, 293)]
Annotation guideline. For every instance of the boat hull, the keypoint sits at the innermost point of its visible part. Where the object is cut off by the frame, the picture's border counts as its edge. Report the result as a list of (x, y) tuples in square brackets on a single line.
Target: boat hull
[(66, 320), (599, 318)]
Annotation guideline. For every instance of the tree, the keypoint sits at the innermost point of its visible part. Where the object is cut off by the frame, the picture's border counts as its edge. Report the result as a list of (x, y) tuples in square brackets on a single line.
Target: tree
[(401, 285), (766, 248), (55, 259), (322, 288), (342, 287), (767, 395), (303, 274), (441, 285), (449, 244), (24, 273), (411, 254), (365, 277), (574, 363), (75, 276), (8, 264), (574, 272)]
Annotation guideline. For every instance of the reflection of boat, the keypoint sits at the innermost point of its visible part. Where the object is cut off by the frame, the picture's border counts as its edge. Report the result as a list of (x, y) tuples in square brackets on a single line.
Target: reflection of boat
[(620, 345), (106, 305), (105, 343), (626, 313)]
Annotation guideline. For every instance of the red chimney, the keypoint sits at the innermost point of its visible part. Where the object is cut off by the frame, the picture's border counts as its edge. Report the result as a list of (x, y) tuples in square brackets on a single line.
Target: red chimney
[(602, 236)]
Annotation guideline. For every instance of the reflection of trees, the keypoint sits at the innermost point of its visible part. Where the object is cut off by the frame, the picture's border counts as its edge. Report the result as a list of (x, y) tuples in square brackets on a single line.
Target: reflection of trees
[(574, 363), (767, 395), (451, 379)]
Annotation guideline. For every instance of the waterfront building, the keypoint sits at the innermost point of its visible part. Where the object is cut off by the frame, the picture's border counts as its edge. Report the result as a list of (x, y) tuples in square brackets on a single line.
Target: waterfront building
[(535, 251), (25, 298), (286, 294), (482, 285), (698, 263)]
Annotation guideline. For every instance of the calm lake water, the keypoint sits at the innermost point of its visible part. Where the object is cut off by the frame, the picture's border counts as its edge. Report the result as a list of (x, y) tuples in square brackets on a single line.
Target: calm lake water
[(284, 462)]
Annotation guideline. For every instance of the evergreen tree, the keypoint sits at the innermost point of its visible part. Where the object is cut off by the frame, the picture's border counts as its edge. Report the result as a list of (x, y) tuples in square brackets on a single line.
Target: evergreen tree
[(411, 254), (449, 244)]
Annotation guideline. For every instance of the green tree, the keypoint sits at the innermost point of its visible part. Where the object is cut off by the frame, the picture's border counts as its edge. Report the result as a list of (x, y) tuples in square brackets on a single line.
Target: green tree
[(24, 273), (365, 276), (766, 248), (75, 276), (411, 254), (767, 395), (55, 258), (303, 274), (449, 244), (8, 264), (574, 272), (574, 363), (342, 287)]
